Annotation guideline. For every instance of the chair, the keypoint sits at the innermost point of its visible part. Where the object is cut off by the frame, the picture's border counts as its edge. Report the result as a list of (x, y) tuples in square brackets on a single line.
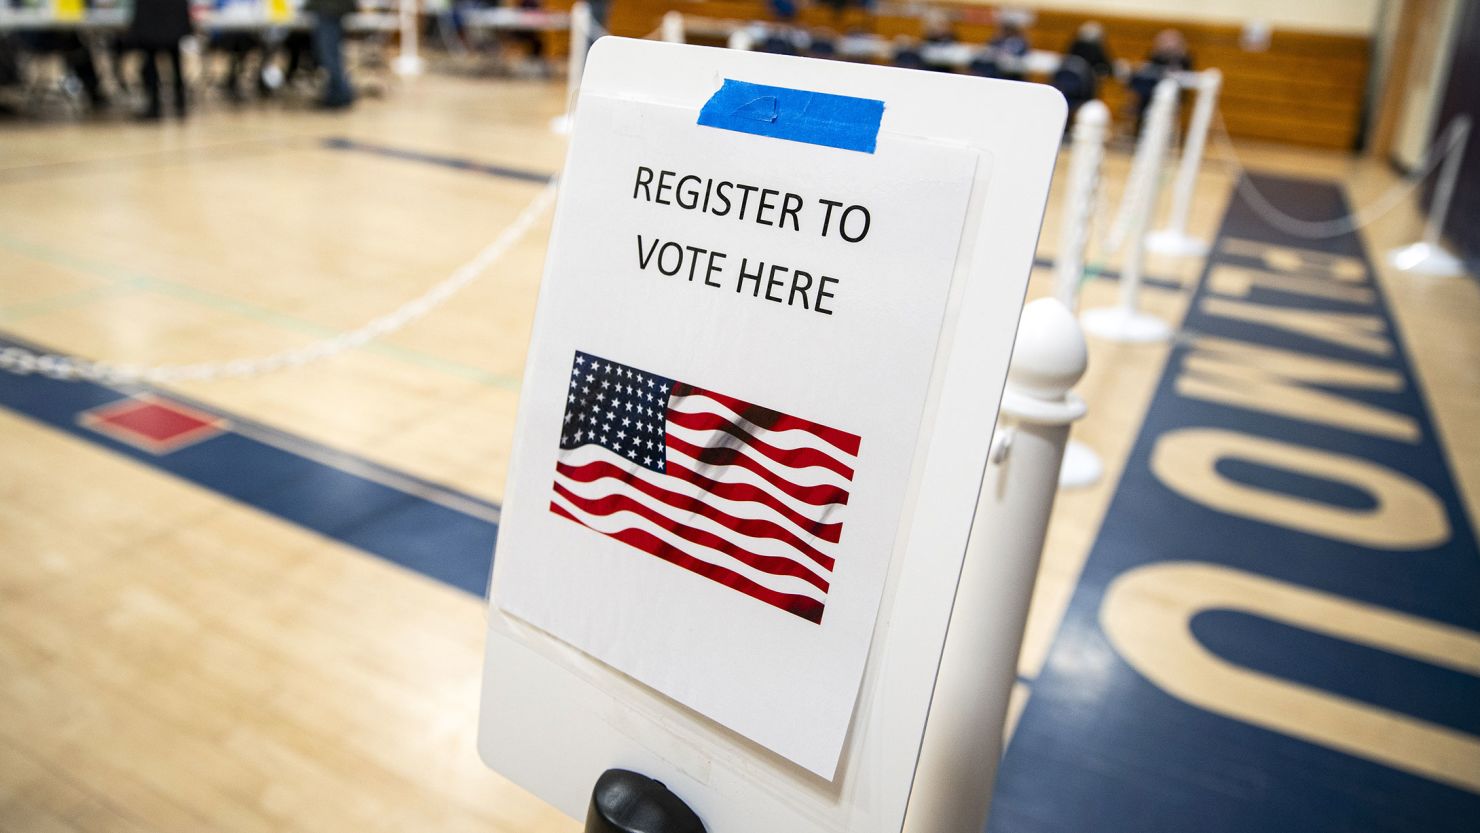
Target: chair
[(984, 66), (1075, 78)]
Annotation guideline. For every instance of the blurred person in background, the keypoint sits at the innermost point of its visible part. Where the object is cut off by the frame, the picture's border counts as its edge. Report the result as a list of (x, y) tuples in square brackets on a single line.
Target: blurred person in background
[(1168, 54), (783, 10), (298, 47), (239, 45), (534, 42), (10, 68), (328, 49), (239, 48), (1011, 40), (1089, 44), (1010, 47), (74, 52), (156, 30), (938, 27), (601, 12), (1169, 51)]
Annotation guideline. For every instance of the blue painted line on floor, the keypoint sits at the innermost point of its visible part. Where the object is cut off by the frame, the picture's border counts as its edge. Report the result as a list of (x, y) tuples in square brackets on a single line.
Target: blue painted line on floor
[(1112, 275), (1103, 747), (453, 162), (438, 532)]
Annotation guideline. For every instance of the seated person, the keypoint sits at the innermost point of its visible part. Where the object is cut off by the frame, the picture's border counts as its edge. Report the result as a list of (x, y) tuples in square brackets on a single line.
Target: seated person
[(938, 28), (1089, 44), (1077, 81), (1168, 54), (1169, 51), (1009, 48)]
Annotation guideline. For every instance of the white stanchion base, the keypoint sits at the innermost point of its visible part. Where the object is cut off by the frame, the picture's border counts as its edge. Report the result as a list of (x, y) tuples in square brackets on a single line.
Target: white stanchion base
[(561, 124), (1426, 259), (1128, 325), (405, 65), (1082, 466), (1176, 244)]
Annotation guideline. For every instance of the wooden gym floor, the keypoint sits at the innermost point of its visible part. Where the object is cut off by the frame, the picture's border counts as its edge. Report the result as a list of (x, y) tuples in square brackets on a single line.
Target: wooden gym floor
[(181, 652)]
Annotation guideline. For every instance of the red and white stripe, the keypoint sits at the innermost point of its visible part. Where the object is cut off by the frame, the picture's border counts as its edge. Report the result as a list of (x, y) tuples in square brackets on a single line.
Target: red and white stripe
[(755, 507)]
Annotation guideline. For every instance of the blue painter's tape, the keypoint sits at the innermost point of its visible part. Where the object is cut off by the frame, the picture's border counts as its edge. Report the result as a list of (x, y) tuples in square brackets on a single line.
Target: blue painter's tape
[(835, 121)]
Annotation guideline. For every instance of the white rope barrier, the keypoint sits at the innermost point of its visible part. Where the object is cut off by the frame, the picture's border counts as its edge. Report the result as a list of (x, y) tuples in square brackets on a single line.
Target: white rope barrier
[(58, 366), (1447, 145)]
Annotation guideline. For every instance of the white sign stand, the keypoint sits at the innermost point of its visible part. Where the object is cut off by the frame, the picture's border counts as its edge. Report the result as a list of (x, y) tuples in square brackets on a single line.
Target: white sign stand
[(964, 739), (554, 718)]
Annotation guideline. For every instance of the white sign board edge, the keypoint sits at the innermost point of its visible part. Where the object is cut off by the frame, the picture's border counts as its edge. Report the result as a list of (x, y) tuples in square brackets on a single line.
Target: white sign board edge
[(553, 719)]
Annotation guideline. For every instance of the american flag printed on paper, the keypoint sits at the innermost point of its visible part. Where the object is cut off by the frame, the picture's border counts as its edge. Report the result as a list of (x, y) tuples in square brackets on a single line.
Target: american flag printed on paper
[(740, 494)]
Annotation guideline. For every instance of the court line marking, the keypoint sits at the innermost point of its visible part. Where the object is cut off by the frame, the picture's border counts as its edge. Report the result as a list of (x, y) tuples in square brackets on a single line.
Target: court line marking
[(126, 282), (46, 306), (164, 157), (358, 466), (454, 162), (429, 528), (1114, 275)]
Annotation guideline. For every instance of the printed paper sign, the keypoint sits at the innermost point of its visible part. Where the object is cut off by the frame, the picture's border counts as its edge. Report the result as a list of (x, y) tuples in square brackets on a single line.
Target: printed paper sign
[(723, 398)]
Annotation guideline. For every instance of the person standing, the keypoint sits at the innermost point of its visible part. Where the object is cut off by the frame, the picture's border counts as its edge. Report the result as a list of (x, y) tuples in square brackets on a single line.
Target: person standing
[(328, 49), (156, 30)]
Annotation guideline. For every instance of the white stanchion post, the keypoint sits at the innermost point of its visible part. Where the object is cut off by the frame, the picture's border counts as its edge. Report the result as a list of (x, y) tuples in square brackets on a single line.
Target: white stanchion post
[(1126, 322), (580, 41), (1140, 168), (1082, 465), (672, 30), (1428, 256), (409, 62), (1088, 151), (964, 732), (1174, 239), (741, 39)]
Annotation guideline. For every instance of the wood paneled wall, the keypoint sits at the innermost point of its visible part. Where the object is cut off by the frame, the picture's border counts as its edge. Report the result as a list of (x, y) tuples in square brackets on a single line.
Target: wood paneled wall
[(1306, 88)]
